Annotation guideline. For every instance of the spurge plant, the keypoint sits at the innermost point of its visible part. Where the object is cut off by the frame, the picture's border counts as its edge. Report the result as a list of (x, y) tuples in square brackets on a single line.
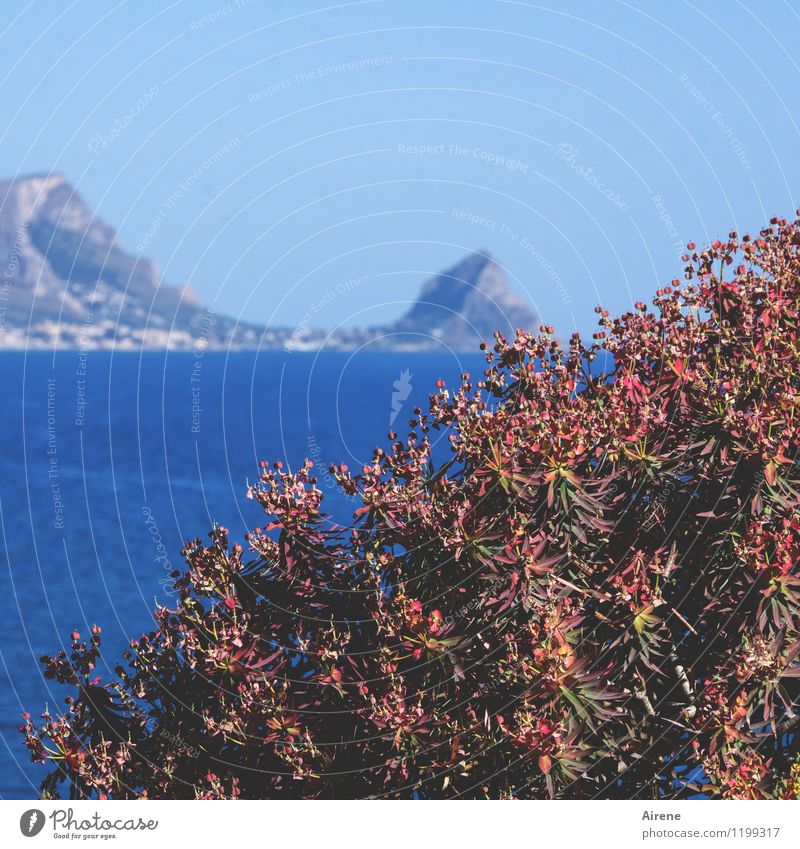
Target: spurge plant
[(597, 596)]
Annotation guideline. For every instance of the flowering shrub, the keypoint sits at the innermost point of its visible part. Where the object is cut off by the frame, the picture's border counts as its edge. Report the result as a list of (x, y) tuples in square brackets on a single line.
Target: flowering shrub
[(597, 596)]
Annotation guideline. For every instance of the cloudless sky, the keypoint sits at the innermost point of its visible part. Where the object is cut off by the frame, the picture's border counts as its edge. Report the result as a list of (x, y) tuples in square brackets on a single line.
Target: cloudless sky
[(266, 152)]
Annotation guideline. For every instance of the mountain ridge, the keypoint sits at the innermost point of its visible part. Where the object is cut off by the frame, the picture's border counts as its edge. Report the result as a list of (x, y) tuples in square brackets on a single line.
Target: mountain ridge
[(69, 283)]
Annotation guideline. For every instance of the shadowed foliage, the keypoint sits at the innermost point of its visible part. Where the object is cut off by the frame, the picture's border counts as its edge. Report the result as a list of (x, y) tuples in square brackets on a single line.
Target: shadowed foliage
[(596, 597)]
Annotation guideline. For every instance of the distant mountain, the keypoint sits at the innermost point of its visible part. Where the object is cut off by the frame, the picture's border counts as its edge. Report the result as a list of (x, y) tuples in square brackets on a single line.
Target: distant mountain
[(465, 305), (67, 282)]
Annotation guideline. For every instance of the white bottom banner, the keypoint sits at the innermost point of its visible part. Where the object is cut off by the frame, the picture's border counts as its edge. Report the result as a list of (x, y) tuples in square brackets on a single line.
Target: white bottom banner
[(317, 824)]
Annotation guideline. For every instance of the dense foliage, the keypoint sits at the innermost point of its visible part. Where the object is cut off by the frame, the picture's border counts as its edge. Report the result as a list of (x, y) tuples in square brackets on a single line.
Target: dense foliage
[(596, 597)]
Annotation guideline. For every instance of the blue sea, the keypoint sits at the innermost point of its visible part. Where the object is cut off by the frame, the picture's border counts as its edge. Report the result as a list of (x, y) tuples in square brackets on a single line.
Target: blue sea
[(111, 460)]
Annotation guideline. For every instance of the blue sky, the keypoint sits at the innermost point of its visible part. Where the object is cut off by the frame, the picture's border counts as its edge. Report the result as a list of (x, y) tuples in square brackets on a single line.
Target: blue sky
[(266, 152)]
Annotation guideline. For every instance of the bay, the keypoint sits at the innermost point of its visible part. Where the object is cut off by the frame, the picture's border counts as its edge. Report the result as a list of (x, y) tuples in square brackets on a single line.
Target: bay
[(110, 461)]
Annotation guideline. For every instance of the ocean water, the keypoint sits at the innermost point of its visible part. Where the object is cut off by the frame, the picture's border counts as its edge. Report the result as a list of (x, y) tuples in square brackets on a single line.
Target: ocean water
[(110, 461)]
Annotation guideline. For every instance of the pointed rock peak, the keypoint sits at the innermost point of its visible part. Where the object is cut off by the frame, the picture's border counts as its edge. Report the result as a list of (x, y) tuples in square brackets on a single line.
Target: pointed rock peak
[(478, 277), (475, 261), (466, 304), (467, 271)]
